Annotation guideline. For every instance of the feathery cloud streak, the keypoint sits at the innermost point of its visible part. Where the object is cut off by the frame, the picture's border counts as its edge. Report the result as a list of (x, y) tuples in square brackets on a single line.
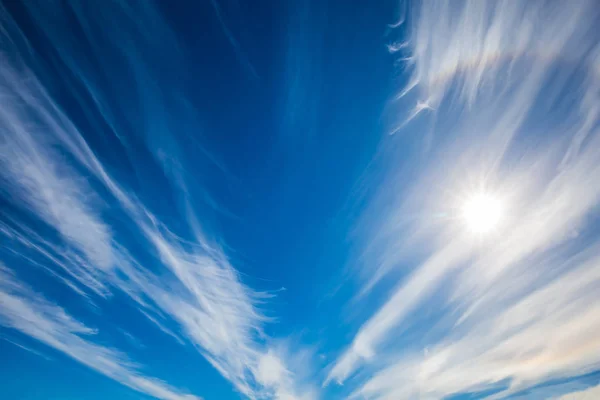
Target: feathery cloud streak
[(51, 173), (588, 394), (26, 311), (495, 76)]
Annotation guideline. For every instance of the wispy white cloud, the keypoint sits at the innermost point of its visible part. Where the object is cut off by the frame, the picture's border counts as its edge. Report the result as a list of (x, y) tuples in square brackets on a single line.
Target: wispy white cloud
[(24, 310), (28, 349), (286, 369), (189, 290), (495, 74), (587, 394), (505, 342), (232, 39), (30, 163)]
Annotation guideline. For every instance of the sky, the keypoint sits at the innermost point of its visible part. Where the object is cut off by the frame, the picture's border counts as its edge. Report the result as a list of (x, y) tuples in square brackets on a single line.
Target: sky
[(299, 200)]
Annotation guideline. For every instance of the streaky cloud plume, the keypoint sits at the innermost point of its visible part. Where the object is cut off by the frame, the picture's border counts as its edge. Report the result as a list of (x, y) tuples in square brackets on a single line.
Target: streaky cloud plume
[(185, 286), (494, 77), (232, 39), (587, 394), (28, 349), (24, 310)]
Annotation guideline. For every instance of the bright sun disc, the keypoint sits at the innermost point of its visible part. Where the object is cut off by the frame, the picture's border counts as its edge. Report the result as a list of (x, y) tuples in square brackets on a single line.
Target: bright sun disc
[(482, 213)]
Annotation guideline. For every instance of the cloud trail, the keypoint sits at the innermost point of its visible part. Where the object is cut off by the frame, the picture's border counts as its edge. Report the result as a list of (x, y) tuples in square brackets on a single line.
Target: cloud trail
[(496, 75), (588, 394), (50, 172), (232, 40), (24, 310), (28, 349)]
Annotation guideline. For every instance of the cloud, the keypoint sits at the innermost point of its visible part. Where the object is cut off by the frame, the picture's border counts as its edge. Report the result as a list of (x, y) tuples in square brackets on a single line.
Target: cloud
[(232, 40), (24, 310), (182, 282), (495, 75), (286, 370), (28, 349), (30, 164), (504, 343), (587, 394)]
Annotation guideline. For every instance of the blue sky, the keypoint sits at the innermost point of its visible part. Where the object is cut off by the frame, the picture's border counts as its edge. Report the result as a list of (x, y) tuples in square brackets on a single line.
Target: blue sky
[(299, 200)]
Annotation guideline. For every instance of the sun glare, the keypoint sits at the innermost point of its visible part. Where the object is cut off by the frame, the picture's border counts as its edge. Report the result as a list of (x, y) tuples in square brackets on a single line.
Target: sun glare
[(482, 213)]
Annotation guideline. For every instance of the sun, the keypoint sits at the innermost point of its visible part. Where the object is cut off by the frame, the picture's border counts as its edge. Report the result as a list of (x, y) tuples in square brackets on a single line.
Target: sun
[(482, 212)]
